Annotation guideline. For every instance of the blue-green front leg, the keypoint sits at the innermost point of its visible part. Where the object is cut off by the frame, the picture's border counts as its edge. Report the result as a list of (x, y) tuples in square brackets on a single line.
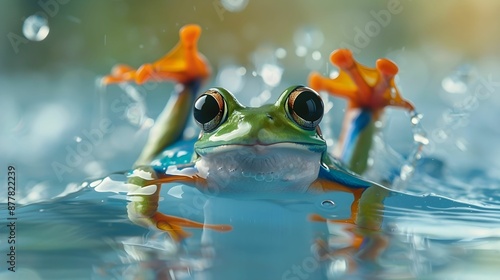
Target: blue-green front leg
[(367, 205), (356, 139)]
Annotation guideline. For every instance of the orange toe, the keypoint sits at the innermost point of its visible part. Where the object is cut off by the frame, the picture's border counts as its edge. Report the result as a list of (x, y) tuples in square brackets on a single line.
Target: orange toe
[(342, 58), (182, 64), (363, 87), (175, 225)]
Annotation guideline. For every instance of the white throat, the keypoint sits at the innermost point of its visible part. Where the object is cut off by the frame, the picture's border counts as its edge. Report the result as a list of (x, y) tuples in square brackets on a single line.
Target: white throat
[(258, 168)]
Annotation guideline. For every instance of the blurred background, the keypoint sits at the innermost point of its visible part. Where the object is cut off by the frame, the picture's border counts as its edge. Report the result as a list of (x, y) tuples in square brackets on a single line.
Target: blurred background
[(53, 53)]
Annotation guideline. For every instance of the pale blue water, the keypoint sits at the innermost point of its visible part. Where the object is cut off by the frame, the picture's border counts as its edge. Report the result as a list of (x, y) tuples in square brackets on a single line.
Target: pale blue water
[(87, 235)]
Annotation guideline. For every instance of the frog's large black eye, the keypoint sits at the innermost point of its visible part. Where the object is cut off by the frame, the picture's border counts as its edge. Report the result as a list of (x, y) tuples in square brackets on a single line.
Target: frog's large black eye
[(209, 110), (305, 107)]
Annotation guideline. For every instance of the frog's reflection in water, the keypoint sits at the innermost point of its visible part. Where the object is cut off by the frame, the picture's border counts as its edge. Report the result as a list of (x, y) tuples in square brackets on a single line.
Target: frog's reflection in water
[(285, 236)]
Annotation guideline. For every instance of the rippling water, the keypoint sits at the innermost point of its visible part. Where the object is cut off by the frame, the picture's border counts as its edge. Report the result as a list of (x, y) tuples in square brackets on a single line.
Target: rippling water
[(86, 234)]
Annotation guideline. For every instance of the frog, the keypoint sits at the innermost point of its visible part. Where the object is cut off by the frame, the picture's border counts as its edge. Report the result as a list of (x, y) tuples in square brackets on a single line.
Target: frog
[(273, 148)]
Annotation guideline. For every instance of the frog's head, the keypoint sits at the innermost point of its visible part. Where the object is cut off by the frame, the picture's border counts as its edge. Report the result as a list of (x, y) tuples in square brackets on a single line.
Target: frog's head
[(278, 142)]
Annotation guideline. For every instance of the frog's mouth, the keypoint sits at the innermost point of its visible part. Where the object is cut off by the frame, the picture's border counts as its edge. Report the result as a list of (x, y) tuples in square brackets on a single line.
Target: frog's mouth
[(290, 163), (259, 149)]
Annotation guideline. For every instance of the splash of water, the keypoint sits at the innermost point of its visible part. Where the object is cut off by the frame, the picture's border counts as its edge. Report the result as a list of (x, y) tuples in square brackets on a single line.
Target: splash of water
[(419, 141)]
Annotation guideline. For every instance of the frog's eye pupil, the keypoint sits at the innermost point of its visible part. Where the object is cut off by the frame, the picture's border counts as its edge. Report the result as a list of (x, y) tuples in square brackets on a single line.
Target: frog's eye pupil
[(305, 107), (209, 110), (205, 108), (308, 106)]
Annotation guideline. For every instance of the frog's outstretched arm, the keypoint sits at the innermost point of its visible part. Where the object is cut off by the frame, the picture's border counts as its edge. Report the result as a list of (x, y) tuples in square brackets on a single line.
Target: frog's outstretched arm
[(368, 196), (188, 69), (143, 208), (368, 91), (366, 208)]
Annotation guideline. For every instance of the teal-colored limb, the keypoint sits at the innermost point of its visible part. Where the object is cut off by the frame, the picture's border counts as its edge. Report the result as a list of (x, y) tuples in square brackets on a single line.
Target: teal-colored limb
[(367, 205), (170, 124), (356, 139)]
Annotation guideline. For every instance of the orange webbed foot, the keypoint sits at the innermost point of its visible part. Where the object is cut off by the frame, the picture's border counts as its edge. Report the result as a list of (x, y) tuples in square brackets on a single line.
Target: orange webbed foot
[(363, 87), (175, 225), (183, 64)]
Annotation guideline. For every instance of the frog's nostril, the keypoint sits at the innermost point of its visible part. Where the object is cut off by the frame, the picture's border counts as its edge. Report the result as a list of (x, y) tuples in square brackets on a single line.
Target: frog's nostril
[(269, 116)]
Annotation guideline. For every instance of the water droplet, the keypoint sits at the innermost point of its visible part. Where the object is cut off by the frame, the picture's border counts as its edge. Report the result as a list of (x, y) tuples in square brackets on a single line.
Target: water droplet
[(36, 28), (234, 5), (415, 118), (453, 85), (316, 55), (230, 77), (458, 81), (301, 51), (421, 138), (406, 172), (78, 139), (419, 141), (334, 73), (328, 203), (271, 74), (280, 53), (241, 71)]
